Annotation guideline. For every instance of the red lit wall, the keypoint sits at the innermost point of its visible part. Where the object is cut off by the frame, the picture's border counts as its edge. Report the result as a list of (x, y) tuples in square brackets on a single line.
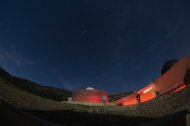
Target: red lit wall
[(172, 80), (148, 96), (129, 100), (174, 77), (89, 96)]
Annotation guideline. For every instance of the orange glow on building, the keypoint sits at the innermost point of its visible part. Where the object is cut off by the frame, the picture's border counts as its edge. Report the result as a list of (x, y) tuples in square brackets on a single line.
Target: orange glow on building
[(86, 95), (147, 88), (169, 81), (148, 96), (173, 77), (129, 100)]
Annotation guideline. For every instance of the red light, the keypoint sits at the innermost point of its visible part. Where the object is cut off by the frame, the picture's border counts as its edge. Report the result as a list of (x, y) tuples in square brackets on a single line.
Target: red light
[(180, 88), (148, 96), (89, 96)]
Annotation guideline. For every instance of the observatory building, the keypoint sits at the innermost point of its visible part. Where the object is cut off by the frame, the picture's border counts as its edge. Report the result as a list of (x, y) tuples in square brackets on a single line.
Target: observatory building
[(175, 75), (89, 95)]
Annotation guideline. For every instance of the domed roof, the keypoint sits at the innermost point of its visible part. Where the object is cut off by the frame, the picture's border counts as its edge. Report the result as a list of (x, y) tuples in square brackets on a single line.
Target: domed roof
[(168, 65), (90, 88), (89, 95)]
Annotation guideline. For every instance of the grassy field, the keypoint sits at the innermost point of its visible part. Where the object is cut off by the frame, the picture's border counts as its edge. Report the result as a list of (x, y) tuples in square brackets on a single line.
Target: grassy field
[(71, 118), (88, 113), (26, 100), (34, 88), (88, 103), (155, 108), (10, 117), (62, 117)]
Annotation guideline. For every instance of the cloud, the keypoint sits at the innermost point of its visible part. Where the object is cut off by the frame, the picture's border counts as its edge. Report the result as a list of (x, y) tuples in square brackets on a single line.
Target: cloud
[(13, 56)]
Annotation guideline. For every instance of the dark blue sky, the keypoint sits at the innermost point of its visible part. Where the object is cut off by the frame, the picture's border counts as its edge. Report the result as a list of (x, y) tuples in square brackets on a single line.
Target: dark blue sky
[(113, 45)]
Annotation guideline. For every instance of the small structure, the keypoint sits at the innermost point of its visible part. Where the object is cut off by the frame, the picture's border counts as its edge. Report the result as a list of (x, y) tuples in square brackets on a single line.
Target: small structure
[(69, 99), (104, 102), (138, 98)]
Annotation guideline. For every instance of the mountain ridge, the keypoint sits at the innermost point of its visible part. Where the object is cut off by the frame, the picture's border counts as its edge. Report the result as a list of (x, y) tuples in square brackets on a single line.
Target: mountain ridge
[(34, 88)]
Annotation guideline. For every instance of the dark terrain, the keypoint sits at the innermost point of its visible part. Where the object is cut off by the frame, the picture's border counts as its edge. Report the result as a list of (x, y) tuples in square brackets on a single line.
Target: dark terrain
[(23, 102), (70, 118), (34, 88)]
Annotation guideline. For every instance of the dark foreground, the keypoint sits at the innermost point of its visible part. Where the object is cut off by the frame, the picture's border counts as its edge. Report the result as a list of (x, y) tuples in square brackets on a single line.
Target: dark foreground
[(89, 119), (11, 116)]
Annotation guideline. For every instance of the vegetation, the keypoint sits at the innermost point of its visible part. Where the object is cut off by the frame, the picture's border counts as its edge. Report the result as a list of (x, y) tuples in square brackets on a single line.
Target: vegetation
[(157, 107), (88, 103), (26, 100), (8, 113), (29, 86), (71, 118)]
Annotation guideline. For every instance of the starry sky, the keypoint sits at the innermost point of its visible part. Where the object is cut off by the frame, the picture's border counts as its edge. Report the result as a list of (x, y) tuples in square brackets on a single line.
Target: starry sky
[(113, 45)]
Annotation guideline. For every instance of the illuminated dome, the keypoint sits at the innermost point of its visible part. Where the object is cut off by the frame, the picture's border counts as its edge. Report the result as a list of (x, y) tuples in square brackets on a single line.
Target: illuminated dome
[(89, 95)]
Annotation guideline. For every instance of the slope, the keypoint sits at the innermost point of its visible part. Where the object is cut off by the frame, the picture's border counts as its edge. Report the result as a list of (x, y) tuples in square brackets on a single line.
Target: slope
[(34, 88)]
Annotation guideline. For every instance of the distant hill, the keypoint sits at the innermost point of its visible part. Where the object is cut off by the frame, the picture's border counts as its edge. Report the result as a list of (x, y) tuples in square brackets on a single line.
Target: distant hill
[(34, 88), (158, 107)]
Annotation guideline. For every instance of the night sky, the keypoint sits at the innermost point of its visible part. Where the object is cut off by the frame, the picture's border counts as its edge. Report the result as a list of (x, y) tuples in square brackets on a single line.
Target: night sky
[(113, 45)]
